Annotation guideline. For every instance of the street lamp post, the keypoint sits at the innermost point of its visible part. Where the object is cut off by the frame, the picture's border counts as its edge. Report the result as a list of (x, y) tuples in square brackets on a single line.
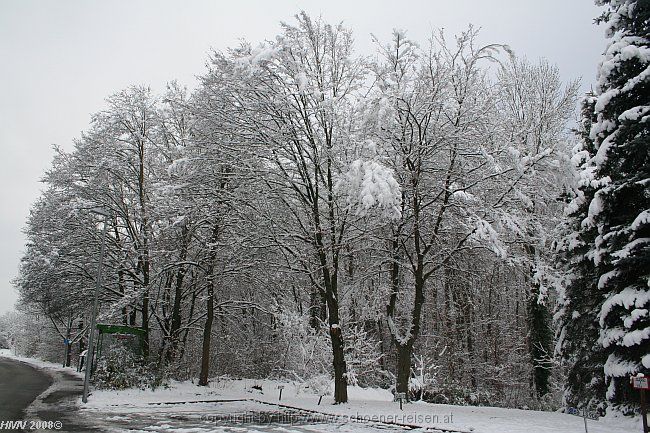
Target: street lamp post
[(90, 351)]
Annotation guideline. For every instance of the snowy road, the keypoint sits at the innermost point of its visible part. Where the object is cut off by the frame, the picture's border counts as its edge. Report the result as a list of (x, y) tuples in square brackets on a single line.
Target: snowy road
[(20, 384)]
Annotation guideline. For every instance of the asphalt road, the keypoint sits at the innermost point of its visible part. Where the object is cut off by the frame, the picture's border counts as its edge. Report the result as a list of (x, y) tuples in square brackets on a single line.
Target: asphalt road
[(20, 384)]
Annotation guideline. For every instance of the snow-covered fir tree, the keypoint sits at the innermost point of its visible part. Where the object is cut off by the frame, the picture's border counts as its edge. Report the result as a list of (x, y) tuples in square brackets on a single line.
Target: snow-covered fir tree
[(579, 302), (620, 208)]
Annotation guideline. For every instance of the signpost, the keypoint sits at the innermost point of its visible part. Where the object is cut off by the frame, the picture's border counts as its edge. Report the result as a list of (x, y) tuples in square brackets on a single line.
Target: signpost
[(401, 396), (66, 344), (642, 383), (93, 317), (584, 413), (280, 387)]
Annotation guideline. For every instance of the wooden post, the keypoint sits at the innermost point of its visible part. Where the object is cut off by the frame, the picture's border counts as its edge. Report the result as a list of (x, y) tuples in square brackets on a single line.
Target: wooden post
[(642, 383), (401, 396), (66, 348), (644, 413), (280, 387)]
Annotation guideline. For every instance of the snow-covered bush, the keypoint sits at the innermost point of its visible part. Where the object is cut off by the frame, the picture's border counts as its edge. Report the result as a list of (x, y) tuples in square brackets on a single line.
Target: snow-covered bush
[(120, 368), (304, 350), (363, 356), (305, 355), (457, 395), (320, 385)]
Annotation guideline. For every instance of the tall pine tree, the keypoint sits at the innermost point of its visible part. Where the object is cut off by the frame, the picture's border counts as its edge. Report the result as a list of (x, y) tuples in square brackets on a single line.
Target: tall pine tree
[(580, 301), (620, 207)]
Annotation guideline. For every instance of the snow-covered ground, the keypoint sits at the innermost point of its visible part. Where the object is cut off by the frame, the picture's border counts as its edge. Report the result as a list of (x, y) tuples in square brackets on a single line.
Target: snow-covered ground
[(239, 405), (367, 404)]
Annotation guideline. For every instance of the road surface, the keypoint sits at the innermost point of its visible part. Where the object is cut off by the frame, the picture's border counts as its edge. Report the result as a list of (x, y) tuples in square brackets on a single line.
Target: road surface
[(20, 384)]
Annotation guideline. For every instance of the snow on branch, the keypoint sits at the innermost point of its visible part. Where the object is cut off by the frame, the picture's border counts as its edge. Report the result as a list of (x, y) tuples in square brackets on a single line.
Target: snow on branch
[(370, 184)]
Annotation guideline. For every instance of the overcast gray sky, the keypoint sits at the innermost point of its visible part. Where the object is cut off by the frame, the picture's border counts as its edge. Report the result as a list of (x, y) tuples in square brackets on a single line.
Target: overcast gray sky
[(60, 59)]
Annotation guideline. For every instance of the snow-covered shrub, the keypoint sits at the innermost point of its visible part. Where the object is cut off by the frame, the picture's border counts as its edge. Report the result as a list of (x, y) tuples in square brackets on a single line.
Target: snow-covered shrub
[(120, 368), (305, 354), (457, 395), (304, 351), (363, 356), (320, 385)]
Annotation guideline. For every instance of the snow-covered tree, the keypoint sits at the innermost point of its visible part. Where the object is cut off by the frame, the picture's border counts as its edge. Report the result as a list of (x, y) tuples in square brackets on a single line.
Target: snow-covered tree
[(294, 101), (307, 211), (580, 299), (469, 155), (536, 106), (620, 207)]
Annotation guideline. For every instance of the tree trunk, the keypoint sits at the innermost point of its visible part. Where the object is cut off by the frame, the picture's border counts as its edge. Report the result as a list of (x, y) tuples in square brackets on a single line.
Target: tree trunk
[(176, 309), (340, 367), (539, 343), (316, 308), (120, 271), (144, 257), (181, 352), (207, 334), (404, 346), (404, 353), (540, 335), (82, 347), (338, 353), (133, 315), (145, 321), (176, 317), (207, 330), (67, 354)]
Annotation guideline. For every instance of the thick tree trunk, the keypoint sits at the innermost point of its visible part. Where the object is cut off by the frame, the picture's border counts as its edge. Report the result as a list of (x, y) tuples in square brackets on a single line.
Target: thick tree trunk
[(120, 271), (404, 353), (338, 346), (133, 315), (404, 344), (330, 280), (340, 367), (145, 258), (82, 346)]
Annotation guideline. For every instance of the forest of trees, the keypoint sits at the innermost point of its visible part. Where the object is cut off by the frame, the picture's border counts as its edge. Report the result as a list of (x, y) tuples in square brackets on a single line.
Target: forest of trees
[(412, 219)]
